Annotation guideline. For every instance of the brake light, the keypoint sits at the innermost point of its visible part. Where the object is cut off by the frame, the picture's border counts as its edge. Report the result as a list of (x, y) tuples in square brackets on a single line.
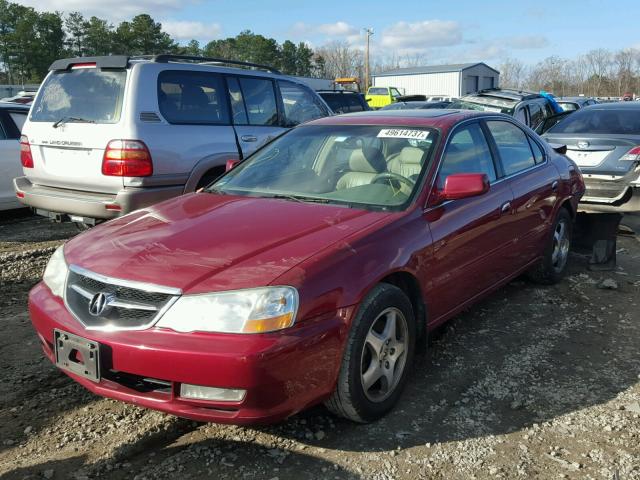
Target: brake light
[(127, 158), (632, 155), (83, 65), (25, 152)]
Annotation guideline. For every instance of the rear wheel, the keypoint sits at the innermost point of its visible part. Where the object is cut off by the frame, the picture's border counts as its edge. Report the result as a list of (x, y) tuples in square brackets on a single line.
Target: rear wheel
[(209, 177), (377, 357), (554, 262)]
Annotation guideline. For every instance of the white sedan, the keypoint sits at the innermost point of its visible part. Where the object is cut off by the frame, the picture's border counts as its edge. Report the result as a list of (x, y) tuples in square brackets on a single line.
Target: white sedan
[(12, 117)]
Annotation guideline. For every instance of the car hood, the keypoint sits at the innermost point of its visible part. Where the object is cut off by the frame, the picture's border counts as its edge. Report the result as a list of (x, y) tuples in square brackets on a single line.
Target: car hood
[(206, 242)]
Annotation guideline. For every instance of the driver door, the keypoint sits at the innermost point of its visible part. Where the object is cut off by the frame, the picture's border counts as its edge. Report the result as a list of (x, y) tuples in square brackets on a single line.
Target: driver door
[(470, 235)]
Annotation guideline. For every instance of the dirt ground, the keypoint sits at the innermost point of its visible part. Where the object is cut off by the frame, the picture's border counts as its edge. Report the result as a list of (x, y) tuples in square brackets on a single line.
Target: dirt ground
[(533, 382)]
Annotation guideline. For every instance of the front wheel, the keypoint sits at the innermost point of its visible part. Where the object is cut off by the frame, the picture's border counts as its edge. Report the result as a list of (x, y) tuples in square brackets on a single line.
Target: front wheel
[(554, 262), (377, 357)]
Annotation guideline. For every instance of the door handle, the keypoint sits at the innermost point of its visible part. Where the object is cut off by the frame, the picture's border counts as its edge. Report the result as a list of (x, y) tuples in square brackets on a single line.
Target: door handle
[(249, 138), (506, 207), (554, 185)]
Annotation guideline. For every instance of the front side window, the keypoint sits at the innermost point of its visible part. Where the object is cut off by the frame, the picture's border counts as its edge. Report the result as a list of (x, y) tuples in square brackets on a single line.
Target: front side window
[(467, 152), (259, 101), (300, 105), (513, 146), (395, 93), (362, 166), (192, 98), (88, 95)]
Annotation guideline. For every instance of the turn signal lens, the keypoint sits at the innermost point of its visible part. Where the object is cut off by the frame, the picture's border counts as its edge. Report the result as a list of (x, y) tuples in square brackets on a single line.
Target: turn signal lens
[(127, 158), (198, 392), (25, 152)]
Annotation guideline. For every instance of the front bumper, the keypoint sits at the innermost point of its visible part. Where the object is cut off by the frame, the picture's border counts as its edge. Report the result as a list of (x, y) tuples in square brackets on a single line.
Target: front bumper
[(282, 373), (49, 201)]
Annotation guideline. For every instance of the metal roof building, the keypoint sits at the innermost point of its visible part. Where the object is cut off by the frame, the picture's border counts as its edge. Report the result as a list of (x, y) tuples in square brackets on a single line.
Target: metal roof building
[(447, 80)]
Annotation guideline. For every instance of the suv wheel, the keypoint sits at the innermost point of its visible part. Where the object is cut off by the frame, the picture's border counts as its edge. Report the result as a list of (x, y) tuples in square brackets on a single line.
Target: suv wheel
[(377, 357)]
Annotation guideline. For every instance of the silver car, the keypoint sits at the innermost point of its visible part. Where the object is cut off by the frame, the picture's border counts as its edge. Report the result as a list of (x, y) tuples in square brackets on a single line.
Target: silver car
[(108, 135)]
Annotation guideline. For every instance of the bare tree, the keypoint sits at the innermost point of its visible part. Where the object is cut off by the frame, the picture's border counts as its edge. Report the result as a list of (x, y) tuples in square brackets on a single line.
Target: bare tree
[(512, 72), (598, 62), (341, 60)]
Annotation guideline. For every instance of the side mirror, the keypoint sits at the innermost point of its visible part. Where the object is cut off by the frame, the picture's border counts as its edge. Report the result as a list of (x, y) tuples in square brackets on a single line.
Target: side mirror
[(464, 185), (231, 164)]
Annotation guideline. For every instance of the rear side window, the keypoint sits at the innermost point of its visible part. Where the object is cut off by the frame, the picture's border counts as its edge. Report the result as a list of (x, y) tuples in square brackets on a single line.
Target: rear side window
[(19, 119), (588, 120), (536, 115), (467, 152), (192, 98), (238, 109), (86, 94), (300, 104), (259, 101), (513, 146)]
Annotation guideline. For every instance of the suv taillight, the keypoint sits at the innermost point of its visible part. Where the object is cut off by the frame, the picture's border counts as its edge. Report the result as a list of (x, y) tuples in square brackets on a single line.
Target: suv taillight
[(127, 158), (632, 155), (25, 152)]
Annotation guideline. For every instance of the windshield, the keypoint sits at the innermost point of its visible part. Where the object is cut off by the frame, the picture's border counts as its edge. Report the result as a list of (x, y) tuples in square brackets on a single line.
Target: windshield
[(84, 94), (485, 104), (356, 165), (612, 122)]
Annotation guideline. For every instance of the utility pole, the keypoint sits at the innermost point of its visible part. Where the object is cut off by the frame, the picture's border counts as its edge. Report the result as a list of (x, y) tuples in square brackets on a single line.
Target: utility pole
[(368, 31)]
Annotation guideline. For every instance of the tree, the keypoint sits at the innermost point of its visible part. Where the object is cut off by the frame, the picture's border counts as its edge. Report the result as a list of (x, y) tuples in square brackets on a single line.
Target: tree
[(512, 73), (288, 58), (143, 36), (76, 27), (99, 38), (192, 48)]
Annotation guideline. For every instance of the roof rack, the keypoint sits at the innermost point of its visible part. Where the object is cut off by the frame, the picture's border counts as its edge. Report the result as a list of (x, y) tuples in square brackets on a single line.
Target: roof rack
[(166, 58), (122, 61)]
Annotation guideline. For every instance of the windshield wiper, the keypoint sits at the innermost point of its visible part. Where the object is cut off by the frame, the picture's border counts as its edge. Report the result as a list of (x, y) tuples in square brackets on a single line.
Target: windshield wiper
[(64, 120), (298, 198)]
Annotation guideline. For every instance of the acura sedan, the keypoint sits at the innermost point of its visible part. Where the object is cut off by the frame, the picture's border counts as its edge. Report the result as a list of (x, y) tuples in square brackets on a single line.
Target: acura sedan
[(311, 271)]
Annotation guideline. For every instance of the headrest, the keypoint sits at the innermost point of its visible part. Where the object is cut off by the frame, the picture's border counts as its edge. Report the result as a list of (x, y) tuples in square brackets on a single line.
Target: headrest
[(367, 160), (412, 155)]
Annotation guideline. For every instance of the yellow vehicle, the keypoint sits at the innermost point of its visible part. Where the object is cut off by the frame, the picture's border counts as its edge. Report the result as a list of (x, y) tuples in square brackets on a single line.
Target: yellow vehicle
[(348, 83), (378, 97)]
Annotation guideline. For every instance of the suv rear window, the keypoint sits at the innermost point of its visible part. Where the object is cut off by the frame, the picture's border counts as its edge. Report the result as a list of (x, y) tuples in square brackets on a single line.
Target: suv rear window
[(86, 94), (378, 91), (609, 122), (192, 98)]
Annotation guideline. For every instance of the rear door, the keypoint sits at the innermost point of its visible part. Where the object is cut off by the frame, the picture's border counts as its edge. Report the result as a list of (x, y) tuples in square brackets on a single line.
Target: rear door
[(254, 106), (76, 113), (10, 167), (534, 182)]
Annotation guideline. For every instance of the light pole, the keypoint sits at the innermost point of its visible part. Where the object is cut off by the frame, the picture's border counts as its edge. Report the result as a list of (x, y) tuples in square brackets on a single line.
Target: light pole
[(368, 31)]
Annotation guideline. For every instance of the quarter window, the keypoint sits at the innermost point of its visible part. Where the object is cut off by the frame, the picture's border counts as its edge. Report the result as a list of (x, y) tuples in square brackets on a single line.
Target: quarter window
[(19, 119), (259, 101), (513, 146), (537, 152), (192, 98), (300, 105), (467, 152)]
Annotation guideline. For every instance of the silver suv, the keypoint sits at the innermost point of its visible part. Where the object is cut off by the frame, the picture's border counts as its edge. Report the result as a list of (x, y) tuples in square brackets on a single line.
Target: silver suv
[(109, 135)]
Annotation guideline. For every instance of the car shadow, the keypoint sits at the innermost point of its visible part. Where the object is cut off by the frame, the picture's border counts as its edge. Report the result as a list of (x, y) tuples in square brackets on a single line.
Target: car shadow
[(525, 355)]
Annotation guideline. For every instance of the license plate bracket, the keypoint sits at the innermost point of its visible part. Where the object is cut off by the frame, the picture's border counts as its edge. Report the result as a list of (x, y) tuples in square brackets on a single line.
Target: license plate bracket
[(77, 355)]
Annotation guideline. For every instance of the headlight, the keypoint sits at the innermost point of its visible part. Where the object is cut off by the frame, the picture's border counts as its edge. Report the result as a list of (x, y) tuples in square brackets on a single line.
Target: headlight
[(55, 274), (255, 310)]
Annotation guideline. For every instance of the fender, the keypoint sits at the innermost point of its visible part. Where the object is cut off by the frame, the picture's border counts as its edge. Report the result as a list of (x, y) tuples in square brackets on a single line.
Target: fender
[(205, 164)]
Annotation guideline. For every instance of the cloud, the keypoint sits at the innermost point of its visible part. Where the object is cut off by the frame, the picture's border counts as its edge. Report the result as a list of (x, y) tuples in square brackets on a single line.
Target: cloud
[(341, 30), (113, 10), (186, 30), (420, 36)]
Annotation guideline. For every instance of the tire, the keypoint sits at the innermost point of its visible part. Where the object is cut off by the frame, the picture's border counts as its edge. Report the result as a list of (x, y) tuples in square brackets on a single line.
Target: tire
[(553, 265), (362, 361)]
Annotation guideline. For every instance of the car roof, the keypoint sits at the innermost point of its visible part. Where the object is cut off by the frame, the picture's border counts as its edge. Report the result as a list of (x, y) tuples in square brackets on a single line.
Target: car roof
[(506, 93), (13, 106), (344, 92), (615, 106), (442, 118)]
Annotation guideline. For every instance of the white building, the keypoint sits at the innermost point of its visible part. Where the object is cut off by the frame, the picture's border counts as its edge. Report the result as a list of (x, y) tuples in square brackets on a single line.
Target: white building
[(439, 80)]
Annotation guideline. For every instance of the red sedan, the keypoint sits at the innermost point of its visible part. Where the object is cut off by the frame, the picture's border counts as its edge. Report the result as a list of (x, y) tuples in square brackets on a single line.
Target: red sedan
[(310, 271)]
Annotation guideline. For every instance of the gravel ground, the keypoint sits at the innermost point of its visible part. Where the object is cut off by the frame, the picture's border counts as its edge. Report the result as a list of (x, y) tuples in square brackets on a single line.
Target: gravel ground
[(533, 382)]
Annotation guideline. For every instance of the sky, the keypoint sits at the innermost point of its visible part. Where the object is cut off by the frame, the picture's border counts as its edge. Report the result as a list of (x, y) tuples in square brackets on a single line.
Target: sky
[(452, 31)]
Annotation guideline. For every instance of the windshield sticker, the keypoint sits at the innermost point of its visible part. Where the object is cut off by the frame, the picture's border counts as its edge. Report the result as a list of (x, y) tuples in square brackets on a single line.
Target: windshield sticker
[(493, 109), (403, 133)]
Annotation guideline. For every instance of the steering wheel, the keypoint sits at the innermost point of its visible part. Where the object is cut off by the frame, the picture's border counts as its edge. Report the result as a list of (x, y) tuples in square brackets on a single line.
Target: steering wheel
[(393, 176)]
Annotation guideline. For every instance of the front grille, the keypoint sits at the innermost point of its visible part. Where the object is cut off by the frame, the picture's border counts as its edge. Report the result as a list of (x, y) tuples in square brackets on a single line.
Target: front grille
[(104, 303)]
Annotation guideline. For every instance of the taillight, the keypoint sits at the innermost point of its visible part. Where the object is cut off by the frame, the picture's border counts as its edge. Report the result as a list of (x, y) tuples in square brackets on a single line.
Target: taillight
[(127, 158), (25, 152), (632, 155)]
